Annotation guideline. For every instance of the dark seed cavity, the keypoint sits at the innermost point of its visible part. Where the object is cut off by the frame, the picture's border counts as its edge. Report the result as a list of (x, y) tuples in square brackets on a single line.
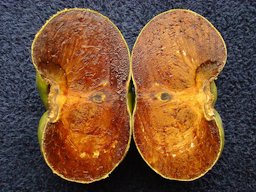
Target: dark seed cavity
[(165, 97), (98, 98)]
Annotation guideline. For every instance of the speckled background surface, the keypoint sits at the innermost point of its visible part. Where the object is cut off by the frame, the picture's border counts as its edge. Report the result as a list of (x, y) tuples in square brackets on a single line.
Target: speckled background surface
[(22, 167)]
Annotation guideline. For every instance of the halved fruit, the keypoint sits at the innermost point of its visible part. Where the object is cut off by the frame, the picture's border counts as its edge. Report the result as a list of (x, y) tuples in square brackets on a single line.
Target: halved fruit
[(82, 64), (175, 60)]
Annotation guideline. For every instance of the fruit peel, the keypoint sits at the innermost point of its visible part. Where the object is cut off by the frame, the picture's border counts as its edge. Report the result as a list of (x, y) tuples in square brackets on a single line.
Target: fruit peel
[(214, 92), (41, 127), (43, 89)]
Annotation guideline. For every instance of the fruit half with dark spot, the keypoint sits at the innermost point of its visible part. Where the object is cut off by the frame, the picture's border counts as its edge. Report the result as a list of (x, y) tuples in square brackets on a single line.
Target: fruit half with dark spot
[(82, 63), (175, 60)]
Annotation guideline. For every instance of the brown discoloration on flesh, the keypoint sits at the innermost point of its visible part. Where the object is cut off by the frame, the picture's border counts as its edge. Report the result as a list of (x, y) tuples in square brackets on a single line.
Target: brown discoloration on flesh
[(173, 46), (175, 138), (89, 140), (85, 55), (178, 53)]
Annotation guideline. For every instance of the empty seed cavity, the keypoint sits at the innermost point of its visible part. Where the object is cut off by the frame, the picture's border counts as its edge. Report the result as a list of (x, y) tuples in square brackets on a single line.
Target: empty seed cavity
[(98, 97), (165, 96)]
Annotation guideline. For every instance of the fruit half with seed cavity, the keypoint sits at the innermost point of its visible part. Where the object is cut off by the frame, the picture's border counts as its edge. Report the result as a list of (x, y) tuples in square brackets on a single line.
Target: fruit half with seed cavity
[(82, 63), (175, 60)]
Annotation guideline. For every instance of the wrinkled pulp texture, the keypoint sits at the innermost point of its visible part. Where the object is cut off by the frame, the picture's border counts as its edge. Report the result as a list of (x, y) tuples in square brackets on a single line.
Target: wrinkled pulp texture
[(84, 58), (175, 58)]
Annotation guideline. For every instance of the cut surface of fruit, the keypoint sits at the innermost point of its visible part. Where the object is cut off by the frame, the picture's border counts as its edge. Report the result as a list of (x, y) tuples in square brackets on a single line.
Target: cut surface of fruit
[(175, 59), (84, 59)]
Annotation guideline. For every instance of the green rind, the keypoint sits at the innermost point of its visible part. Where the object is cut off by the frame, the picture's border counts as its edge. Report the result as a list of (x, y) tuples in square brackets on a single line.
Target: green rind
[(43, 89), (214, 91), (217, 118), (41, 126), (221, 130)]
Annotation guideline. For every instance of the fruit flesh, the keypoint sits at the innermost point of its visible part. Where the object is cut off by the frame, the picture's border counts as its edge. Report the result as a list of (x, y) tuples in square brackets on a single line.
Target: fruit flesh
[(174, 60), (85, 60)]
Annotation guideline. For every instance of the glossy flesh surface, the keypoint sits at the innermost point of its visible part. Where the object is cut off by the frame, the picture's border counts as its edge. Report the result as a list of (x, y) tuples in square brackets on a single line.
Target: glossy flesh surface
[(175, 59), (84, 58)]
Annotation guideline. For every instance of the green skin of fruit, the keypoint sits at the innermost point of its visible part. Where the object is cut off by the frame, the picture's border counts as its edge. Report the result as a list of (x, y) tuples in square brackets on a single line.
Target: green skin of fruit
[(43, 89), (213, 88), (41, 127)]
